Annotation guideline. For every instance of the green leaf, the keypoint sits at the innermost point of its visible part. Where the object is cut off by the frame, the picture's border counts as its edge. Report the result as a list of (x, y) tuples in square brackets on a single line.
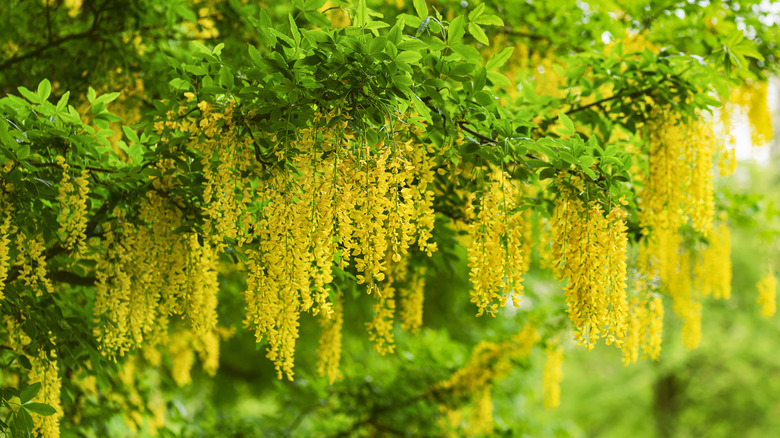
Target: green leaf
[(313, 5), (479, 79), (23, 151), (40, 409), (44, 90), (476, 12), (29, 392), (294, 30), (423, 25), (130, 134), (421, 108), (179, 84), (421, 8), (377, 45), (374, 25), (63, 102), (498, 79), (567, 124), (488, 20), (29, 95), (91, 94), (226, 77), (24, 422), (412, 44), (478, 34), (254, 54), (409, 57), (456, 30), (196, 70), (500, 58), (469, 53), (107, 98), (361, 14)]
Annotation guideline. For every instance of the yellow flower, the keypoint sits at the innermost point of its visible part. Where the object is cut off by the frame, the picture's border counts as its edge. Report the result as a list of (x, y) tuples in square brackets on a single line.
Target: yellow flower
[(767, 293)]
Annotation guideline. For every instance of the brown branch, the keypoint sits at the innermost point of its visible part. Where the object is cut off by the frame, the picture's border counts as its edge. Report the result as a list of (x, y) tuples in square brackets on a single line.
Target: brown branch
[(71, 278), (96, 169)]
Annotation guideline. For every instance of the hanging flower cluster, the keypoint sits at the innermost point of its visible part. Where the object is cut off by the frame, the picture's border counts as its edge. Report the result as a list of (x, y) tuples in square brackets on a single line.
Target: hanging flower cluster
[(675, 196), (498, 232), (767, 294), (73, 208), (489, 362), (589, 250)]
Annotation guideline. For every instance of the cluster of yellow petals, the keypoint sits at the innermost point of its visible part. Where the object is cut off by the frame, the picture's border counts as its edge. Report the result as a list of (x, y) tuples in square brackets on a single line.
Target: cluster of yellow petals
[(589, 249), (45, 371), (337, 200), (489, 361), (147, 275), (752, 99), (496, 230), (673, 190), (412, 299), (645, 325), (713, 268), (552, 376), (6, 229), (675, 196), (329, 351), (767, 294), (73, 208), (31, 262)]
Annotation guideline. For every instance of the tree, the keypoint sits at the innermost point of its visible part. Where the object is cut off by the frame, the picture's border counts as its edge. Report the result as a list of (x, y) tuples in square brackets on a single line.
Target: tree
[(331, 176)]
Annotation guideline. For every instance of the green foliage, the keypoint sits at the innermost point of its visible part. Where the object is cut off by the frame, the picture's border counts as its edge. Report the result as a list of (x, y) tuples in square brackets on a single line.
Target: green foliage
[(441, 66)]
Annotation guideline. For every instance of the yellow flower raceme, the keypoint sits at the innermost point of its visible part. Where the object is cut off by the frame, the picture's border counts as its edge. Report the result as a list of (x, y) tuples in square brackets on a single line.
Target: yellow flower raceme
[(767, 294), (46, 372), (32, 264), (552, 375), (329, 351), (589, 249), (73, 208), (489, 361), (496, 255), (5, 242), (412, 298)]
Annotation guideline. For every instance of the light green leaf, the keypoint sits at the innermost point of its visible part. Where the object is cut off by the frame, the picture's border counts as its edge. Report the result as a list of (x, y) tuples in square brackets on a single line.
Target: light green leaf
[(567, 124), (44, 90), (412, 44), (254, 54), (107, 98), (374, 25), (294, 30), (361, 14), (498, 79), (179, 84), (488, 20), (478, 34), (476, 12), (469, 53), (29, 95), (500, 58), (421, 8), (456, 30), (409, 57), (130, 134), (63, 102)]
